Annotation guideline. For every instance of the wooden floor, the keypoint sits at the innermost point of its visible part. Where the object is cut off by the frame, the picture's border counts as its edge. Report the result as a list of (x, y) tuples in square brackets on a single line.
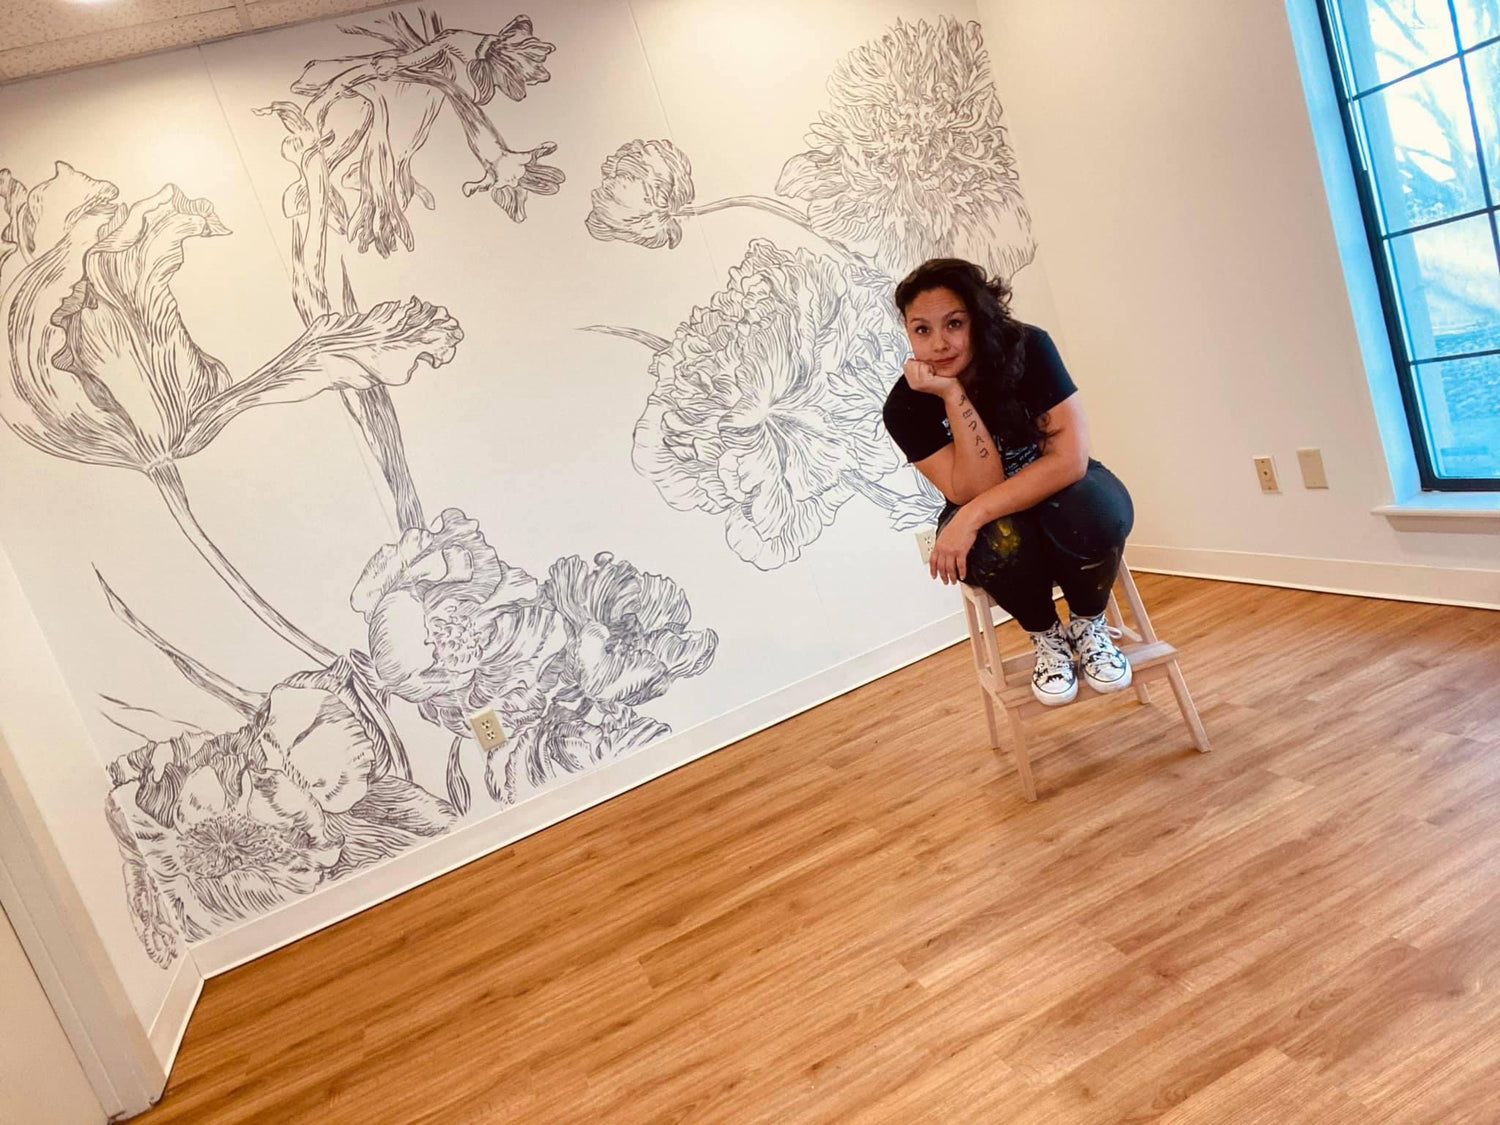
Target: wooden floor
[(854, 917)]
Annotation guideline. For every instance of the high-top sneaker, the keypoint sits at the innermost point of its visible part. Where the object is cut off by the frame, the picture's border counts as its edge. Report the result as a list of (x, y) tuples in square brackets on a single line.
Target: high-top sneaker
[(1103, 665), (1054, 680)]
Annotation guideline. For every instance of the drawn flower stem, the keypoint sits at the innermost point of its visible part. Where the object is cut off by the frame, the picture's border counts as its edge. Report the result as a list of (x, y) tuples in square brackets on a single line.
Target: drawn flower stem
[(458, 785), (651, 340), (169, 482), (779, 209)]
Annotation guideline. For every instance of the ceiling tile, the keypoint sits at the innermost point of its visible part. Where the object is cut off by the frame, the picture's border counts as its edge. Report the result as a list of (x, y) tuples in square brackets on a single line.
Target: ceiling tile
[(274, 13), (42, 36), (27, 22), (118, 43)]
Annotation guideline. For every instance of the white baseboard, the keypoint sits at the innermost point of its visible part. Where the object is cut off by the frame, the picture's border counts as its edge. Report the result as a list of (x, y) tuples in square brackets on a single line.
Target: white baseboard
[(176, 1009), (297, 919), (1478, 589)]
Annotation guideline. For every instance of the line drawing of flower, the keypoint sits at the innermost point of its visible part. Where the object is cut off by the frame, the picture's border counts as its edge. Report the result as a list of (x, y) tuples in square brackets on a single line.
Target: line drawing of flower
[(151, 913), (232, 825), (454, 629), (362, 121), (766, 406), (563, 742), (103, 370), (646, 189), (100, 367), (314, 783), (627, 633), (910, 160), (463, 69), (627, 642)]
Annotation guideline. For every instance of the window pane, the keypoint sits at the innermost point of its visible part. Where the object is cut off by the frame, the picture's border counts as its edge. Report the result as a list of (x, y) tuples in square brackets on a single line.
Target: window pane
[(1449, 285), (1390, 38), (1461, 401), (1478, 20), (1422, 145), (1484, 80)]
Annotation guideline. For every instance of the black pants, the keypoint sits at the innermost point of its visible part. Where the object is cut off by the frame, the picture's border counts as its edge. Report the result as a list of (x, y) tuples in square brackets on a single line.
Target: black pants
[(1074, 539)]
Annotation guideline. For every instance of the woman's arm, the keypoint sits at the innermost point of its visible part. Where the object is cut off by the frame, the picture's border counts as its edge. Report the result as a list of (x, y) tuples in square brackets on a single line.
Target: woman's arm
[(1064, 460), (971, 463)]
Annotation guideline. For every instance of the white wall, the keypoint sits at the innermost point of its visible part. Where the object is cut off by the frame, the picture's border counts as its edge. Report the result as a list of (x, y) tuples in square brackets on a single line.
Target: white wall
[(1171, 167), (260, 818), (41, 1082), (42, 730)]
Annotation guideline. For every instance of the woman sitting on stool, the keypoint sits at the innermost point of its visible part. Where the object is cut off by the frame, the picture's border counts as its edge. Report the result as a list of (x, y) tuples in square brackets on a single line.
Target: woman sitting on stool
[(988, 413)]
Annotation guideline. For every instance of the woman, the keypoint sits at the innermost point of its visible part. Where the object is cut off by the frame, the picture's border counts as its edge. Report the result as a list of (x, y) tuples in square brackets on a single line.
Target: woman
[(988, 413)]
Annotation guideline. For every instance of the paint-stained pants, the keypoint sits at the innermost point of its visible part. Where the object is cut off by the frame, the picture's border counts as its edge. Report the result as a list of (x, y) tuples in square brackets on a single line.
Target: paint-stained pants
[(1073, 539)]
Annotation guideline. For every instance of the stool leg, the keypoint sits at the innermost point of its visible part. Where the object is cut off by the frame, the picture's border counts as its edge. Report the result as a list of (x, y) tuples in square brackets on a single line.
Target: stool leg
[(972, 615), (1023, 758), (1188, 707), (1115, 618)]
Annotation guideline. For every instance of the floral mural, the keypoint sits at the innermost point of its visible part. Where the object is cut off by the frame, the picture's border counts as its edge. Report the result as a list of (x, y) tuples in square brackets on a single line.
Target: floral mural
[(314, 781), (763, 413), (765, 408)]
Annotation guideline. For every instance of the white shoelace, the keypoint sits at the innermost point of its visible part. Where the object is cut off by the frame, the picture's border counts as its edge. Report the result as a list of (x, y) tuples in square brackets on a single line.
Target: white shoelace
[(1096, 646), (1054, 659)]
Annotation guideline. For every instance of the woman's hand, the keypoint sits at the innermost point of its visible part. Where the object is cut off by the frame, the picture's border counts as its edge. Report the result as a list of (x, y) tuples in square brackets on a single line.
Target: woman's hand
[(924, 377), (950, 554)]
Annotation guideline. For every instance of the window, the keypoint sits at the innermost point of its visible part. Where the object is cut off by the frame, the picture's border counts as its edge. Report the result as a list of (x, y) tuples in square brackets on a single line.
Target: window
[(1419, 83)]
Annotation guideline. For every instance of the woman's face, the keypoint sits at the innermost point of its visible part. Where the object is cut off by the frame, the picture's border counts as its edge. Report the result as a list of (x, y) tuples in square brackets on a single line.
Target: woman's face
[(937, 324)]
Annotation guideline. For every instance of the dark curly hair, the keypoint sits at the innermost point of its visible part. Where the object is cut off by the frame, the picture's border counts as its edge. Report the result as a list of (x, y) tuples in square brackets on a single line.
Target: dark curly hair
[(997, 338)]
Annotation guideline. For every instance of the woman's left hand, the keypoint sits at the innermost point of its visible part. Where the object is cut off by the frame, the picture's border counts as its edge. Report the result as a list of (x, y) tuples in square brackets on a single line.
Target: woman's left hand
[(950, 554)]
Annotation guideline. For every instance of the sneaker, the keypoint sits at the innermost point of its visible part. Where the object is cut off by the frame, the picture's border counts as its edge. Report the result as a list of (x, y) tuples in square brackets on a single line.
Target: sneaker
[(1104, 666), (1054, 680)]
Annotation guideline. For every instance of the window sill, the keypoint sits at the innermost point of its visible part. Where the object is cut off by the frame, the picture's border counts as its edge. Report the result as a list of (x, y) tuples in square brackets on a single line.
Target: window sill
[(1476, 509)]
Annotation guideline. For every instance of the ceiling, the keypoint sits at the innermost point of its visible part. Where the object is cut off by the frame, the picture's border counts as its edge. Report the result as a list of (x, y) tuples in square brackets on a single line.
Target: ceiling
[(43, 36)]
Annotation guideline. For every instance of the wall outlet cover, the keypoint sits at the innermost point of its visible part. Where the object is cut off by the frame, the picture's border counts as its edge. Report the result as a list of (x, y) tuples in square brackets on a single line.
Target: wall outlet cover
[(926, 540), (1310, 461), (1265, 472), (487, 729)]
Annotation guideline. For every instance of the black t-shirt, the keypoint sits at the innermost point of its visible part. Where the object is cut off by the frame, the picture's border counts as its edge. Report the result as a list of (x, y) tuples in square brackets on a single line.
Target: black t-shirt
[(918, 421)]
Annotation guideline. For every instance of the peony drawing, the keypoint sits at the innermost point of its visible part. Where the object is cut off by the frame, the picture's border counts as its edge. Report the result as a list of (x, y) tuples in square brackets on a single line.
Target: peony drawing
[(760, 408), (234, 824), (311, 780), (765, 408), (910, 160)]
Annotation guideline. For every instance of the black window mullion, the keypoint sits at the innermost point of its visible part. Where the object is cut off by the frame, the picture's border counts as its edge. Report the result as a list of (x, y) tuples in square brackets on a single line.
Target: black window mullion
[(1364, 182), (1443, 222), (1341, 62), (1380, 87), (1484, 177)]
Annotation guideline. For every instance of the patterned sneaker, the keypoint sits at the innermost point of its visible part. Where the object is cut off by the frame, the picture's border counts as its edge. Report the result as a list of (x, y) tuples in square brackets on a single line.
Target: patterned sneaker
[(1054, 681), (1104, 666)]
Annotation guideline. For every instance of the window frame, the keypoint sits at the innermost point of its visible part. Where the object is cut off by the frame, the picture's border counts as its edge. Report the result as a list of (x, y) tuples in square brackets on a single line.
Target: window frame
[(1340, 71)]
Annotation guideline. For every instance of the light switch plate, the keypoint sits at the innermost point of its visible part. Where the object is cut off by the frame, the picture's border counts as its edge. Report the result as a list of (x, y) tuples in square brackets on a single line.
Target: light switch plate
[(1310, 459), (1265, 470)]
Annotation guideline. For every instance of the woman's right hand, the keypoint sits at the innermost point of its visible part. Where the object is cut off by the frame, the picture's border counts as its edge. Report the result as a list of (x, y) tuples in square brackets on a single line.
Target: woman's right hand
[(923, 377)]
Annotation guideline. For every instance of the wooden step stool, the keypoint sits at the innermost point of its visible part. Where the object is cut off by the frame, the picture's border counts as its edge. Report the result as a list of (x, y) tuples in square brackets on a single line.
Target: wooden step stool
[(1006, 681)]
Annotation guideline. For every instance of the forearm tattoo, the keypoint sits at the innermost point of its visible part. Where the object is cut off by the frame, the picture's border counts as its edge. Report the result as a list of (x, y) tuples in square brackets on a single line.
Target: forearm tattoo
[(971, 419)]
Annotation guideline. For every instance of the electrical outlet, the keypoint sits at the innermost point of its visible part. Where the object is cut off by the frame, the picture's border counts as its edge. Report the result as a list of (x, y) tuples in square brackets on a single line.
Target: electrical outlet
[(926, 540), (486, 727), (1265, 469), (1310, 460)]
